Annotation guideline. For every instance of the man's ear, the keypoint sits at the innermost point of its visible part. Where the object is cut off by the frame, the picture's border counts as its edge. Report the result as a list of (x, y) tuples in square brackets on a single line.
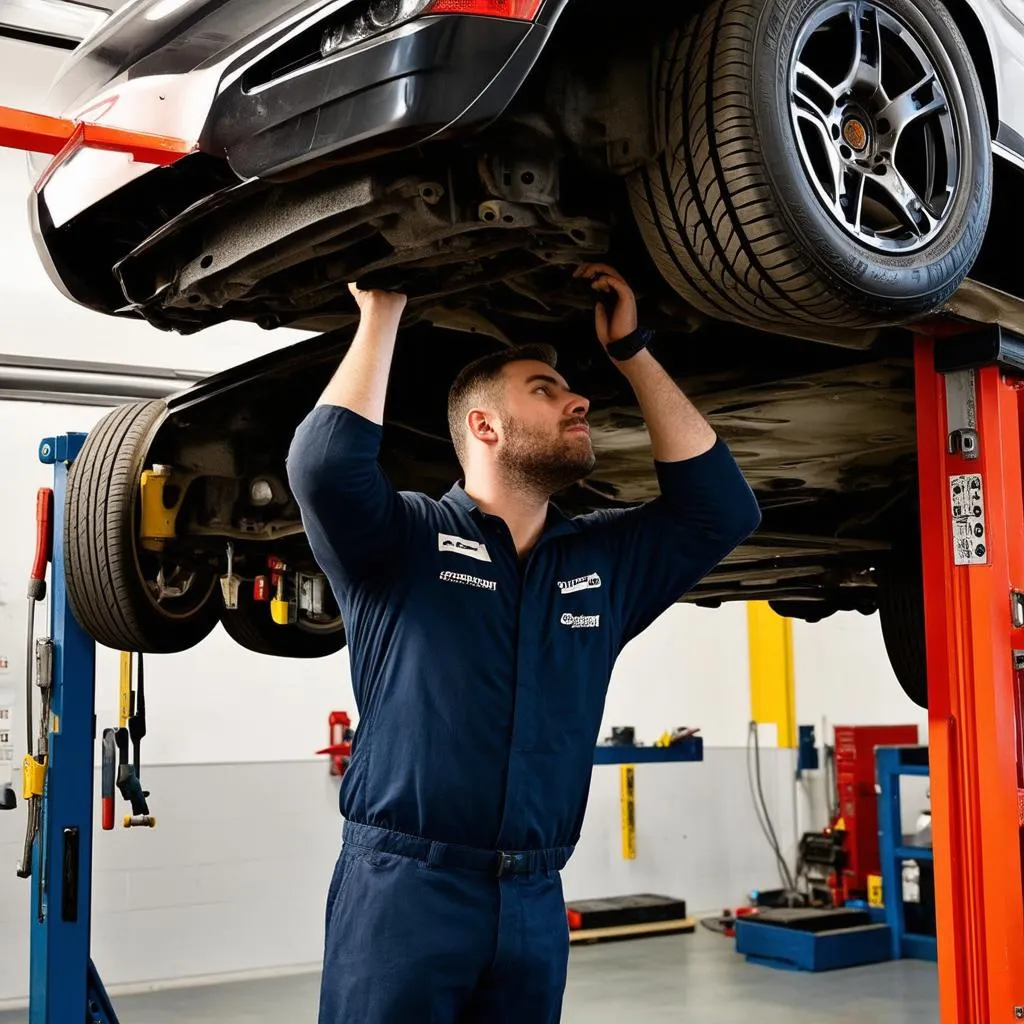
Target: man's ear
[(482, 427)]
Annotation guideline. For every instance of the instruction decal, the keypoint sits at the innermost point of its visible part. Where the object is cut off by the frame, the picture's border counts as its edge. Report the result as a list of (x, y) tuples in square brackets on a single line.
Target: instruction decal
[(6, 738), (970, 538)]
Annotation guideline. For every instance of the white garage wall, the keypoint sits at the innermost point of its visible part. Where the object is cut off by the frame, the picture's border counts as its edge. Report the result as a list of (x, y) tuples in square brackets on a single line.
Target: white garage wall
[(843, 675)]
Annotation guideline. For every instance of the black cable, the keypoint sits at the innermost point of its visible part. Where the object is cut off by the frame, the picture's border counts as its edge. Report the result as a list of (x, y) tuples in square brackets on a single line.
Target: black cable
[(753, 792), (761, 807), (777, 846), (757, 811)]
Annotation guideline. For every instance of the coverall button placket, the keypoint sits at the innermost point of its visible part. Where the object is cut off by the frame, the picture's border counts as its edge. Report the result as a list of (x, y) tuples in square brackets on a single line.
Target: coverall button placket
[(528, 700)]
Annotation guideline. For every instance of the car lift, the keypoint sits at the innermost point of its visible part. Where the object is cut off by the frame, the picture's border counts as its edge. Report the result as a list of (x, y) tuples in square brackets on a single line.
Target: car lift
[(970, 422)]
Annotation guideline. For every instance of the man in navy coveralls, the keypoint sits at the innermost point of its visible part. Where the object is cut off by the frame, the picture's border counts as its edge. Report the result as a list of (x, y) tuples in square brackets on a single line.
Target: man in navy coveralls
[(482, 631)]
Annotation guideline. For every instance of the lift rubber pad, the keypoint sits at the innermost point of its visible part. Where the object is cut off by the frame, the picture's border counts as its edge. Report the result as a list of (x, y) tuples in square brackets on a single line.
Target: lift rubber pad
[(623, 910), (810, 920)]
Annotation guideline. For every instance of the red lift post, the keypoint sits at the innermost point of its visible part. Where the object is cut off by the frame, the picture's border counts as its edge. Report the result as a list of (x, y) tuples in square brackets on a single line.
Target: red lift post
[(970, 432), (970, 442)]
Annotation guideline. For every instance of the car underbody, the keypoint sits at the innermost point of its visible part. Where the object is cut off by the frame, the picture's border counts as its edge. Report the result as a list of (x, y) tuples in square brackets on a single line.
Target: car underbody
[(825, 436), (802, 362)]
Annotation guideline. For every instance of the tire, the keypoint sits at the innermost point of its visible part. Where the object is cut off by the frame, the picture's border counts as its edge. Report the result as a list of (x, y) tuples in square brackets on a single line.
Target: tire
[(733, 220), (251, 626), (105, 580), (901, 610)]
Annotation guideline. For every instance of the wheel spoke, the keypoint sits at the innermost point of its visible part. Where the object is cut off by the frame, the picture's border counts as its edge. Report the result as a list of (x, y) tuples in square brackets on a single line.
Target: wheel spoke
[(865, 74), (904, 109), (812, 115), (803, 71), (911, 208), (851, 198), (815, 118)]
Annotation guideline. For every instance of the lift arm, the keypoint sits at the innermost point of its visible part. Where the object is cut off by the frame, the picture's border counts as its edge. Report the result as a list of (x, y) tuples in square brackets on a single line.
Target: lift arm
[(39, 133)]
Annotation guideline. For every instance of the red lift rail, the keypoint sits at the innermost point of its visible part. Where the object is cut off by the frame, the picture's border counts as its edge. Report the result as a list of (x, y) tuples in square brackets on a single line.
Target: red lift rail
[(39, 133), (970, 443)]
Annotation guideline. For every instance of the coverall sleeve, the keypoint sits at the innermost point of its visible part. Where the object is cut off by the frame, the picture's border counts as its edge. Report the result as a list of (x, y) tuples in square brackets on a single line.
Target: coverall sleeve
[(661, 549), (356, 522)]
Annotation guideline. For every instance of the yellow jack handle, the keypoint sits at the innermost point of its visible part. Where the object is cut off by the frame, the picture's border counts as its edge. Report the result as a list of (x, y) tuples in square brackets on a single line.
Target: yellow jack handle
[(125, 701)]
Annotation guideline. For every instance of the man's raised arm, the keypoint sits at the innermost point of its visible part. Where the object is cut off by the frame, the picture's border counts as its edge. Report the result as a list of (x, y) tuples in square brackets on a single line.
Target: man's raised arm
[(706, 507), (351, 513), (361, 382)]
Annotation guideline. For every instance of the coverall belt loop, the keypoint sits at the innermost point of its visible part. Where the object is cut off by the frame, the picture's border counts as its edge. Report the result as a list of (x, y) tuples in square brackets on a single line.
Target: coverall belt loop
[(494, 862)]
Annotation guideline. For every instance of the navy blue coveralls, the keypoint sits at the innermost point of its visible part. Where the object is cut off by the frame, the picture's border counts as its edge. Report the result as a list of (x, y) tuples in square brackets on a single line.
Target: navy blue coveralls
[(480, 683)]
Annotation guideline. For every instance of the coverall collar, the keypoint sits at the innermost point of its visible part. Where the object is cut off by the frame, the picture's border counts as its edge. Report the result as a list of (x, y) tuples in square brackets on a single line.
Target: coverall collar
[(557, 522)]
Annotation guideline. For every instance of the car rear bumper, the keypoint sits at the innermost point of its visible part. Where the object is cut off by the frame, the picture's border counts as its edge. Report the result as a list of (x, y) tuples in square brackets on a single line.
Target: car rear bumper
[(436, 74), (396, 91)]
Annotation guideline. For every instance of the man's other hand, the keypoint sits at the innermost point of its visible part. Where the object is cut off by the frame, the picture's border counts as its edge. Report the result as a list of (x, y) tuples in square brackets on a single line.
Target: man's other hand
[(623, 318)]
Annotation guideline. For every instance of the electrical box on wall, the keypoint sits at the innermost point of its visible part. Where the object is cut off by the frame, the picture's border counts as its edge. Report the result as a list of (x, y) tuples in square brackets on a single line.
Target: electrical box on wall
[(807, 751)]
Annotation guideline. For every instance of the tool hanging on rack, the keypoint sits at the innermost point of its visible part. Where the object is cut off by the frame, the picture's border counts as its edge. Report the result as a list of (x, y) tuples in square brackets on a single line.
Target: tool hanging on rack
[(34, 767), (132, 728), (38, 665)]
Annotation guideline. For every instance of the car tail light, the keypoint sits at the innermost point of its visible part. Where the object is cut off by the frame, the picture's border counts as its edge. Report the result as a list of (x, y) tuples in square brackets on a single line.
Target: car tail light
[(379, 16), (520, 10)]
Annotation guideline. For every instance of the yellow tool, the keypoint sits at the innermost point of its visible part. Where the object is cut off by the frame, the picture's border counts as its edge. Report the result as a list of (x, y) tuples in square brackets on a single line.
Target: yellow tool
[(875, 891), (125, 701), (281, 609), (33, 777), (162, 491), (627, 802)]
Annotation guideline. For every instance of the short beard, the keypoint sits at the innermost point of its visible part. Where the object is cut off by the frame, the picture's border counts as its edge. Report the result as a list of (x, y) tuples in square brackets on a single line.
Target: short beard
[(533, 461)]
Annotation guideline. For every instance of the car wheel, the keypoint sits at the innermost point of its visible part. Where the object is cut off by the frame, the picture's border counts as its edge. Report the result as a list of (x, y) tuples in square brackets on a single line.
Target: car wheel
[(901, 610), (251, 626), (822, 163), (112, 582)]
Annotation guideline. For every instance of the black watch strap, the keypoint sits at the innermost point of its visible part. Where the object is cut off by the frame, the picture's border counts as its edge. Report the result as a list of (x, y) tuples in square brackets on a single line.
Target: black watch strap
[(627, 347)]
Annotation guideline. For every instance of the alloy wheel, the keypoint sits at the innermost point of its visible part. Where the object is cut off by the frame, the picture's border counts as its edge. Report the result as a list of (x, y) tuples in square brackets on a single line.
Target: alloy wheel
[(876, 133)]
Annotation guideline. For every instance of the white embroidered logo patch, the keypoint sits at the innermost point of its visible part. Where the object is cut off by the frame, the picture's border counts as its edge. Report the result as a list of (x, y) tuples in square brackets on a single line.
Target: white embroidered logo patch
[(469, 581), (460, 546), (581, 621), (591, 582)]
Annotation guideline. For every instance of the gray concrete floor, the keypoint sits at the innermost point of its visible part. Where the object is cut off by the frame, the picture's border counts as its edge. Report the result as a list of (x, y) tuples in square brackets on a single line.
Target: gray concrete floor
[(676, 978)]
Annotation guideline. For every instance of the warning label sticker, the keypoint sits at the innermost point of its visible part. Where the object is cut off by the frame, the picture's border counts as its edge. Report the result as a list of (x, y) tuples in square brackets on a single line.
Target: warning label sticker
[(970, 541), (6, 739)]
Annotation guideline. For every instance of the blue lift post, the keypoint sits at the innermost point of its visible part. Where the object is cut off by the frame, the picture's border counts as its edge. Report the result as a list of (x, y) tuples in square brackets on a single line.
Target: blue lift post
[(64, 987), (892, 762)]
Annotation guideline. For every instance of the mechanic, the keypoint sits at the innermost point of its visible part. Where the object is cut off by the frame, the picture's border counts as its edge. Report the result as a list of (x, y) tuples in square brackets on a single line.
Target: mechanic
[(482, 631)]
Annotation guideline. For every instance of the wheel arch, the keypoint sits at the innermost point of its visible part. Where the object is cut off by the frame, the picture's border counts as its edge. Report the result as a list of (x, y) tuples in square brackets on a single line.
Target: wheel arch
[(971, 28)]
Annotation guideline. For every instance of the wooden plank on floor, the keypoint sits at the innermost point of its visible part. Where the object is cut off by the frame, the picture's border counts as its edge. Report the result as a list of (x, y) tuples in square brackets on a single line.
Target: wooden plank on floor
[(679, 926)]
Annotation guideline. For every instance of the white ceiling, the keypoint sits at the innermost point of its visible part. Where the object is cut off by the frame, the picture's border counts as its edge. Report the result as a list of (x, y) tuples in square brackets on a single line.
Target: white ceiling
[(63, 22)]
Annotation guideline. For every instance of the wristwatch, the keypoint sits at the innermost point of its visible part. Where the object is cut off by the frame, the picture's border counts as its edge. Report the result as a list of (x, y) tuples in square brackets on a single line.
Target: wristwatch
[(627, 347)]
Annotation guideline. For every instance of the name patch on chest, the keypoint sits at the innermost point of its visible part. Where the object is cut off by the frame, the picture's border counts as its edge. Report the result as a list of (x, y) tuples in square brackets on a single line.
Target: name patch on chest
[(591, 582), (460, 546), (580, 621), (469, 581)]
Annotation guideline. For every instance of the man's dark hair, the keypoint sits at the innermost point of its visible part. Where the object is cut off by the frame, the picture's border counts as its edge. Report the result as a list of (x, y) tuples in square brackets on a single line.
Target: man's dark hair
[(478, 378)]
